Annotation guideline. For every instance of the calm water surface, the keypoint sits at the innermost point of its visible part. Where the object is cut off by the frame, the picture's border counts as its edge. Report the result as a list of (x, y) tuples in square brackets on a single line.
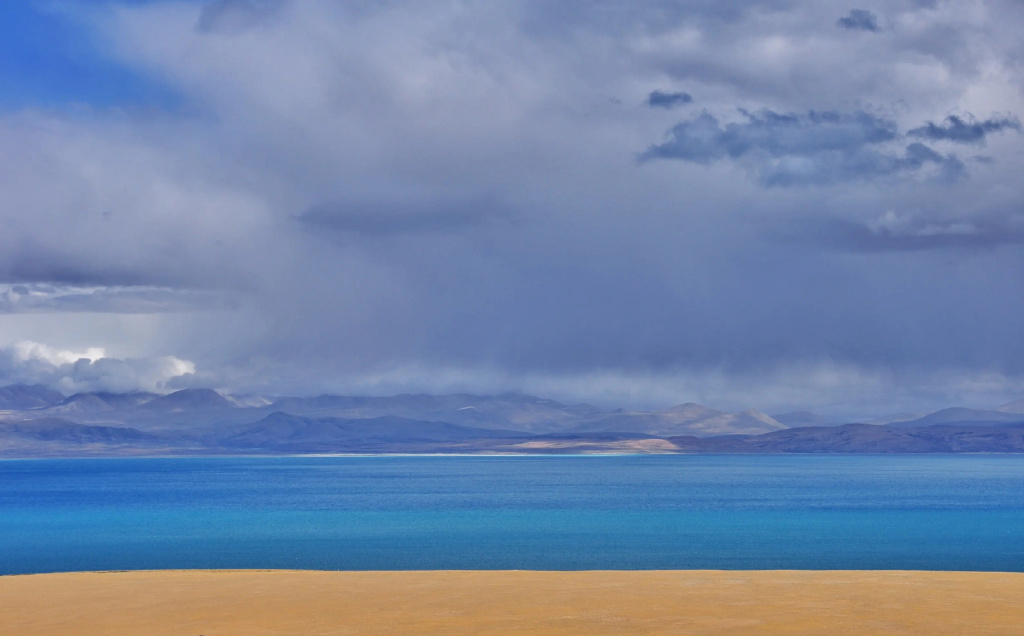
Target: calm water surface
[(956, 512)]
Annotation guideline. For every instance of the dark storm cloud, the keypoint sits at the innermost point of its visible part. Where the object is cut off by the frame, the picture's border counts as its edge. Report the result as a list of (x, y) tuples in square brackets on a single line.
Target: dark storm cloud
[(859, 20), (790, 149), (39, 265), (966, 130), (34, 262), (659, 99), (703, 139)]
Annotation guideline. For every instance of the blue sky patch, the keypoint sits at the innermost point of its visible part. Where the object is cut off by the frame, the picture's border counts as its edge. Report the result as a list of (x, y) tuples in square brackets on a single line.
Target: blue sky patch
[(49, 60)]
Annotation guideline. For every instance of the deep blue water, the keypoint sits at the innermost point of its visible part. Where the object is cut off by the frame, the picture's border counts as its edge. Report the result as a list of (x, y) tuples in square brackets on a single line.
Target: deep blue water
[(955, 512)]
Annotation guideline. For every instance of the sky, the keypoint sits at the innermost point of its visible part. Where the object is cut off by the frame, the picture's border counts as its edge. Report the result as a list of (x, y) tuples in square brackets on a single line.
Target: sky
[(773, 204)]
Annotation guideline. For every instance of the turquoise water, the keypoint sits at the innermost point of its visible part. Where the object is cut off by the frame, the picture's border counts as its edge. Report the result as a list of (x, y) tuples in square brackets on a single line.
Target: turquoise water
[(953, 512)]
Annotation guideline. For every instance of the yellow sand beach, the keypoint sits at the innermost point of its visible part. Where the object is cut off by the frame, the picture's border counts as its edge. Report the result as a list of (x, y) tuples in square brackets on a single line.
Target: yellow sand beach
[(258, 603)]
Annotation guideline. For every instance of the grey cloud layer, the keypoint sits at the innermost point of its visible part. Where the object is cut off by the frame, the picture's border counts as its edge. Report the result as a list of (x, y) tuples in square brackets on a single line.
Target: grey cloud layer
[(397, 218), (964, 130), (418, 195), (661, 99), (859, 20), (786, 149), (898, 232), (54, 298)]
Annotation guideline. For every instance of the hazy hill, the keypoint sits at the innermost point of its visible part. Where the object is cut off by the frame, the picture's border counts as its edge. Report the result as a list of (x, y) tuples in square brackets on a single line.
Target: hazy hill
[(962, 416), (19, 397), (90, 403), (509, 411), (188, 400), (54, 437), (801, 418), (40, 422), (53, 429), (514, 411), (282, 432), (1012, 407), (895, 418), (866, 438), (684, 419)]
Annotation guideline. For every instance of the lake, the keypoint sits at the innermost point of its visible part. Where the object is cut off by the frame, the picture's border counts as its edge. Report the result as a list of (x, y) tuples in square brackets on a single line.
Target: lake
[(933, 512)]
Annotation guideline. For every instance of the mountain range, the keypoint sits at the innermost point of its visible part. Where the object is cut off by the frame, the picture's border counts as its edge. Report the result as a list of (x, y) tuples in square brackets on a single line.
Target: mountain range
[(36, 421)]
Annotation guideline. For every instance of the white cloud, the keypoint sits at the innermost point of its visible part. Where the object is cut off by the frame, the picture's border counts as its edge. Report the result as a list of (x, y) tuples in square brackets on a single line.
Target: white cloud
[(89, 370), (29, 352), (40, 298)]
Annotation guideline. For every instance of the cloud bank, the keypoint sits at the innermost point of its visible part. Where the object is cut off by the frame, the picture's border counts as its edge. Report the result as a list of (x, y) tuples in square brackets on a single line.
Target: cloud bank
[(786, 149), (340, 191), (964, 131), (76, 372), (859, 20), (661, 99)]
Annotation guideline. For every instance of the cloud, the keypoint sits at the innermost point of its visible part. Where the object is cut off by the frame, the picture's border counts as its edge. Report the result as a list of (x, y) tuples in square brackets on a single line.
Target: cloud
[(90, 370), (348, 188), (908, 231), (659, 99), (842, 390), (859, 20), (235, 16), (789, 149), (29, 297), (116, 201), (964, 130), (401, 218)]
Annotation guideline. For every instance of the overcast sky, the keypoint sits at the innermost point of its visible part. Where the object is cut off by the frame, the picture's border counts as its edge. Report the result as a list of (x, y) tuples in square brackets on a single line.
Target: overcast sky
[(771, 204)]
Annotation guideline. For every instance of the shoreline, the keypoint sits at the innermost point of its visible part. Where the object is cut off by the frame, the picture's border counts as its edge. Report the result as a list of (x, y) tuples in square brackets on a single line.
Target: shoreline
[(456, 602), (608, 571), (516, 454)]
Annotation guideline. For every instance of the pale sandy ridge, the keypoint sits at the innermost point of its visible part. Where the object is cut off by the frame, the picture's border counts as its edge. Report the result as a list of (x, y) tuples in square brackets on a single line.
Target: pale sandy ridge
[(264, 603)]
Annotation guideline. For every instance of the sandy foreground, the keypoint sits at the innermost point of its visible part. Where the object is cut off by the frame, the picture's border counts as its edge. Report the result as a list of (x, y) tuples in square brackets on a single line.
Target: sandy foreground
[(255, 603)]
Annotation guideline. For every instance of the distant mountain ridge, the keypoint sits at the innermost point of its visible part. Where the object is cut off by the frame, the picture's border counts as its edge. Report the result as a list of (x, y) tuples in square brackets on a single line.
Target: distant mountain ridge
[(99, 402), (964, 416), (511, 410), (188, 400), (682, 419), (1012, 407), (41, 422), (289, 433), (19, 397), (801, 418), (866, 438)]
